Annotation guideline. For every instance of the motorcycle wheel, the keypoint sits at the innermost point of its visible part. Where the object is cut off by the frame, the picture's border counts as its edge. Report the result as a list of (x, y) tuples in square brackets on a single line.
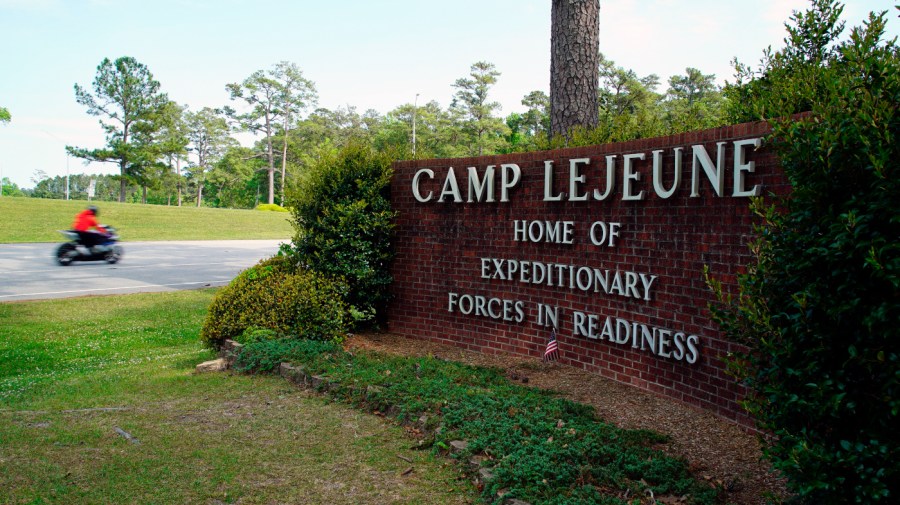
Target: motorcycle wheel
[(114, 255), (66, 254)]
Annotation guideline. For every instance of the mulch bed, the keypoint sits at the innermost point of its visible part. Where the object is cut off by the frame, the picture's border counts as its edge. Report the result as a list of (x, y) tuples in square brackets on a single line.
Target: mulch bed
[(716, 450)]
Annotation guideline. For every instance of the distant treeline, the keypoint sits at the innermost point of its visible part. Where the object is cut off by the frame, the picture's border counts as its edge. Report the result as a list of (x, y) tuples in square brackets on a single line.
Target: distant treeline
[(106, 189), (184, 157)]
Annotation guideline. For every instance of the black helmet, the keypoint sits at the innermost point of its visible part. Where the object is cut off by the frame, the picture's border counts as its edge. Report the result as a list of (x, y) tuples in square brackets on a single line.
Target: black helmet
[(93, 209)]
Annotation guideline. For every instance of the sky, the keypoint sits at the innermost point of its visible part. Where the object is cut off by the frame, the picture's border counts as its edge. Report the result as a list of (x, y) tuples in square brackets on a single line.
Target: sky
[(362, 53)]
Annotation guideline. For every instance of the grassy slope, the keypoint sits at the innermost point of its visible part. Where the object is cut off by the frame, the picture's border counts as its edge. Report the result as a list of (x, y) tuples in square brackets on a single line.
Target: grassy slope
[(73, 371), (37, 220)]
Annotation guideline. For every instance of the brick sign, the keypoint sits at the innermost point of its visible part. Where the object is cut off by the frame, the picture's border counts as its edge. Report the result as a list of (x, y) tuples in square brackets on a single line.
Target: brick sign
[(605, 245)]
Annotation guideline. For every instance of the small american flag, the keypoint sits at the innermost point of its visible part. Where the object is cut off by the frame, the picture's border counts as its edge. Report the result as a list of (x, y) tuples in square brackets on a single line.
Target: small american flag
[(552, 351)]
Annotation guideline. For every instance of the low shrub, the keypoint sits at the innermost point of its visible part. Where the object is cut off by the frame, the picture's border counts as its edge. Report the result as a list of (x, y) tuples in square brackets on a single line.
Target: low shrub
[(274, 295), (271, 207)]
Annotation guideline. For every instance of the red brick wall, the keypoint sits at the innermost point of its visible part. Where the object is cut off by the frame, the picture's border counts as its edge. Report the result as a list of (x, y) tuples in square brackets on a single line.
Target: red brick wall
[(440, 248)]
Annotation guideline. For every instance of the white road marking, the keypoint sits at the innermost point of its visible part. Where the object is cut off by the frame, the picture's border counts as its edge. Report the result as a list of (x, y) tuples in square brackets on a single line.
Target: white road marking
[(58, 268), (142, 286)]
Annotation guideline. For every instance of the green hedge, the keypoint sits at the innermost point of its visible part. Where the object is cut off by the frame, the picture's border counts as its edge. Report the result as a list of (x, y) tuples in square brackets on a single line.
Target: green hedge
[(819, 309)]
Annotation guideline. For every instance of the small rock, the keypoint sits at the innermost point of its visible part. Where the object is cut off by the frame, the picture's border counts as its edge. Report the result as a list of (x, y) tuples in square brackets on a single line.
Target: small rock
[(216, 365), (459, 445), (292, 373), (477, 460), (126, 435), (229, 351), (232, 346)]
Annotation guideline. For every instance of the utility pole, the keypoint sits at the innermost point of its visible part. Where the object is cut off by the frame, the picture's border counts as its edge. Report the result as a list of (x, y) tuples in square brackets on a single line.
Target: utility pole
[(67, 161)]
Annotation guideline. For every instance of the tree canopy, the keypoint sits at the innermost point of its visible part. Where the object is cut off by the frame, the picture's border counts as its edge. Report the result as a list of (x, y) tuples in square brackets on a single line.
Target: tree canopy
[(128, 101), (483, 129), (276, 98)]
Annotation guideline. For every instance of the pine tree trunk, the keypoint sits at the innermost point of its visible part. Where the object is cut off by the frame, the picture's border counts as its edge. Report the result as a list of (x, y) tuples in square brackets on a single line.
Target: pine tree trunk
[(123, 184), (178, 172), (271, 155), (574, 65), (283, 165), (271, 184)]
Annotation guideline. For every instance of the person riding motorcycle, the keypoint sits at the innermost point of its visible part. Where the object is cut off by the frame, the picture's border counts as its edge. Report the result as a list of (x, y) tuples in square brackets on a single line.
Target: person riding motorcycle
[(85, 244), (84, 221)]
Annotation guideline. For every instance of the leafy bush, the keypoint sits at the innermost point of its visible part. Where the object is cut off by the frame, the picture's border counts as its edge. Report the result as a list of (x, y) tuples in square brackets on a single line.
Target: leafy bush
[(279, 297), (540, 448), (819, 310), (271, 207), (343, 221)]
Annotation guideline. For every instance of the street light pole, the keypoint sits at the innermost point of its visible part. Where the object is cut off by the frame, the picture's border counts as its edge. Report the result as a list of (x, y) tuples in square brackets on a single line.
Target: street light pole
[(67, 161), (415, 113)]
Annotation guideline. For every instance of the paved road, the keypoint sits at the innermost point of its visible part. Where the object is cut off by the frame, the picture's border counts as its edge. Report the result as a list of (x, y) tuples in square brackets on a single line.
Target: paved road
[(30, 272)]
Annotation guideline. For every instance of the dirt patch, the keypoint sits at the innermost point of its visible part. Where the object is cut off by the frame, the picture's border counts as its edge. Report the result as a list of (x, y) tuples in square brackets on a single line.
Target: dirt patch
[(716, 450)]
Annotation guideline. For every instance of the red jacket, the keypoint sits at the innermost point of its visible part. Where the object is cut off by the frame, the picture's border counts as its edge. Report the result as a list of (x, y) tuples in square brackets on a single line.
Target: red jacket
[(85, 220)]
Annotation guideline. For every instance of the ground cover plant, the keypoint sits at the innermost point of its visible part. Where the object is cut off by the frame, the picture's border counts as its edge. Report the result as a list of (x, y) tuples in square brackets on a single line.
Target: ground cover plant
[(539, 448), (38, 219), (98, 404)]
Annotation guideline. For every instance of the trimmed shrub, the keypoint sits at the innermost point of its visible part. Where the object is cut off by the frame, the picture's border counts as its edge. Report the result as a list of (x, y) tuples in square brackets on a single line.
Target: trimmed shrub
[(343, 221), (276, 296)]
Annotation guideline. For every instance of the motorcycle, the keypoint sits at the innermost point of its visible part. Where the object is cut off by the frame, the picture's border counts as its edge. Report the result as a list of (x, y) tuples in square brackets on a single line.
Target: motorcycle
[(75, 250)]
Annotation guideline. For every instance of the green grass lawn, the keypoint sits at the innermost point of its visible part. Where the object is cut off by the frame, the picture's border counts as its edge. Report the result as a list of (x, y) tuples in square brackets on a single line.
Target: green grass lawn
[(37, 220), (78, 374)]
